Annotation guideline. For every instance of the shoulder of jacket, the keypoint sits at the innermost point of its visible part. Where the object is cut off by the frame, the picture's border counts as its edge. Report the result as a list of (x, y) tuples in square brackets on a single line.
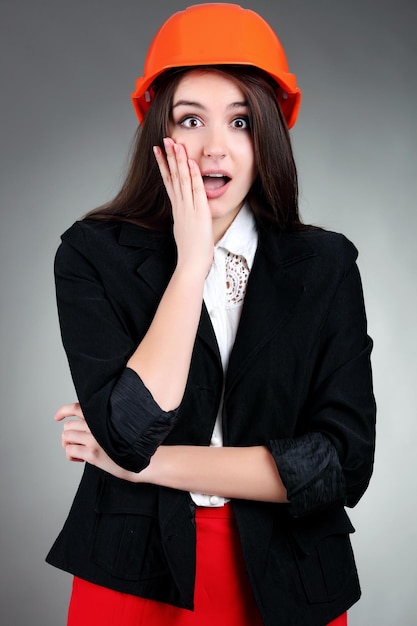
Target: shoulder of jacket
[(86, 242), (330, 246), (105, 233), (89, 230)]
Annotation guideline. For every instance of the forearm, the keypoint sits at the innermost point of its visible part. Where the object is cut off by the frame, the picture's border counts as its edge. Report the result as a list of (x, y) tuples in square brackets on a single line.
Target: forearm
[(247, 473), (162, 359)]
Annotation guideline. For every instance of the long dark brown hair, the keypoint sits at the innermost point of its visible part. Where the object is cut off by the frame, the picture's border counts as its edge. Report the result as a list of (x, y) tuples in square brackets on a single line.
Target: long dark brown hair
[(273, 197)]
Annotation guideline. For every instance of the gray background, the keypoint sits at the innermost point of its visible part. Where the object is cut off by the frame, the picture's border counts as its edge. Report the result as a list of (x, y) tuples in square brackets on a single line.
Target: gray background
[(67, 70)]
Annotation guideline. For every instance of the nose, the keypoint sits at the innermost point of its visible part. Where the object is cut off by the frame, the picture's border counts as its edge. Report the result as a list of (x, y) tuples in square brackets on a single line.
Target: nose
[(215, 145)]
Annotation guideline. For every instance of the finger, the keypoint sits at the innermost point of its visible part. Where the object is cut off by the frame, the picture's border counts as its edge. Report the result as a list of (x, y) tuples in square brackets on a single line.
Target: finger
[(75, 453), (184, 175), (74, 436), (164, 170), (81, 452), (171, 160), (197, 185), (180, 173), (78, 438), (78, 425), (69, 410)]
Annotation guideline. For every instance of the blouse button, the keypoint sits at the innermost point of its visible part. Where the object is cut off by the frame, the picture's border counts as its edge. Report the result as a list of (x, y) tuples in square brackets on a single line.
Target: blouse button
[(214, 500)]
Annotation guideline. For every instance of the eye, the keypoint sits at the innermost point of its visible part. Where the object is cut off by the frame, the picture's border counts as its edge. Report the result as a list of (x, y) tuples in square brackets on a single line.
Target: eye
[(241, 123), (190, 122)]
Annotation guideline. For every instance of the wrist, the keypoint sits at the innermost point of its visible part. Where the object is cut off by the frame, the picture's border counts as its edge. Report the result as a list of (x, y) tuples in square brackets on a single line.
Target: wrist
[(147, 475), (190, 274)]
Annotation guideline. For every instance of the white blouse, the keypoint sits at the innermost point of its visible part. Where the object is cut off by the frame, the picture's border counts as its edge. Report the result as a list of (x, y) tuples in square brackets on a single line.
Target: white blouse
[(224, 293)]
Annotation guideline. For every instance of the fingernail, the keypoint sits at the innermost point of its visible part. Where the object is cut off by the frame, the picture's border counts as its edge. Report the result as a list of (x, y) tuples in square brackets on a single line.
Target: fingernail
[(157, 151)]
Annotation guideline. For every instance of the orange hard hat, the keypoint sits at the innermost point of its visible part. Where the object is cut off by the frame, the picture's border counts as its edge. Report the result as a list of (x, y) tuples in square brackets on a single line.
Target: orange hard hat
[(217, 34)]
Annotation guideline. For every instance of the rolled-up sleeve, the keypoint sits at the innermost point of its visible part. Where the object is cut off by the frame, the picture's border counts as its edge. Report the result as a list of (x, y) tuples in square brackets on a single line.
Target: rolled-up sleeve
[(142, 430), (311, 472)]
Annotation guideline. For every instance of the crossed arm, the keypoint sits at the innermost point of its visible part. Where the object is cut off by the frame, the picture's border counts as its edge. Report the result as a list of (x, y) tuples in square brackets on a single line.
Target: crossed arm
[(248, 473)]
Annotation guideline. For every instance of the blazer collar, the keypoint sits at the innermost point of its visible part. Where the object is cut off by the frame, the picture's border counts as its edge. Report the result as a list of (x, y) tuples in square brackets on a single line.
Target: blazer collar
[(139, 237), (274, 287), (284, 249)]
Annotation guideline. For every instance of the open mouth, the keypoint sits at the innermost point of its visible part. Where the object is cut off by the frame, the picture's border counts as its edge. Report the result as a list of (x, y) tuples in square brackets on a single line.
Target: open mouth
[(212, 182)]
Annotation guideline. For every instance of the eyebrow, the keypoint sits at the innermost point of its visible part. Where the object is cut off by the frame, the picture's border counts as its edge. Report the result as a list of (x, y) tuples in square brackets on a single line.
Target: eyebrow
[(198, 105)]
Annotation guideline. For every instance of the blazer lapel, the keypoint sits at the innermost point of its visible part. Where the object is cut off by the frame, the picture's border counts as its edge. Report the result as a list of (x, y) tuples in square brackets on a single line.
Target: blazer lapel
[(272, 293), (156, 253), (206, 333)]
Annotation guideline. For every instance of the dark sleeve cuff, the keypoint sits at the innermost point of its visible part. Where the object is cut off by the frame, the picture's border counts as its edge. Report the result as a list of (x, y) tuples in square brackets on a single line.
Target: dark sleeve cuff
[(137, 418), (311, 472)]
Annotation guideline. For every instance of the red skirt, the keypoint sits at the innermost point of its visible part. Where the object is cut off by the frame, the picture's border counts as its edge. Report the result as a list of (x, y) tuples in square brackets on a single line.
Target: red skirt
[(223, 595)]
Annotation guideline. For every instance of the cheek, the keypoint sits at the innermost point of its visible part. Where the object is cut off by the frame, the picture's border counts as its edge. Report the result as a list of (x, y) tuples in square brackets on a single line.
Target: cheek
[(185, 140), (174, 132)]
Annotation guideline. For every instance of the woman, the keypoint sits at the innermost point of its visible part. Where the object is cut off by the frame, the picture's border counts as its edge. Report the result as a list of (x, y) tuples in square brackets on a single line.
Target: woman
[(219, 351)]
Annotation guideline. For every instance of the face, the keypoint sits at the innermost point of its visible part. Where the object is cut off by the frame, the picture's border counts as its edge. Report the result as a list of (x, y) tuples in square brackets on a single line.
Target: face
[(210, 119)]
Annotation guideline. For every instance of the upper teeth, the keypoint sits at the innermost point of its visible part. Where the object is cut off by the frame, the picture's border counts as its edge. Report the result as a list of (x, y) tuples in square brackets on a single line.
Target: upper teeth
[(214, 175)]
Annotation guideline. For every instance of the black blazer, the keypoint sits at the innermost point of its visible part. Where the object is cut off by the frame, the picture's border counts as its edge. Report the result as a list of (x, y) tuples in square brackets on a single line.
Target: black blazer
[(298, 381)]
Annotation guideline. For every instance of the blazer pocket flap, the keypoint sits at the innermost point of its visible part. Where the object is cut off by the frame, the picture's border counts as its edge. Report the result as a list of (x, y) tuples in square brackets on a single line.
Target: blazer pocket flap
[(121, 497), (308, 532), (126, 540)]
